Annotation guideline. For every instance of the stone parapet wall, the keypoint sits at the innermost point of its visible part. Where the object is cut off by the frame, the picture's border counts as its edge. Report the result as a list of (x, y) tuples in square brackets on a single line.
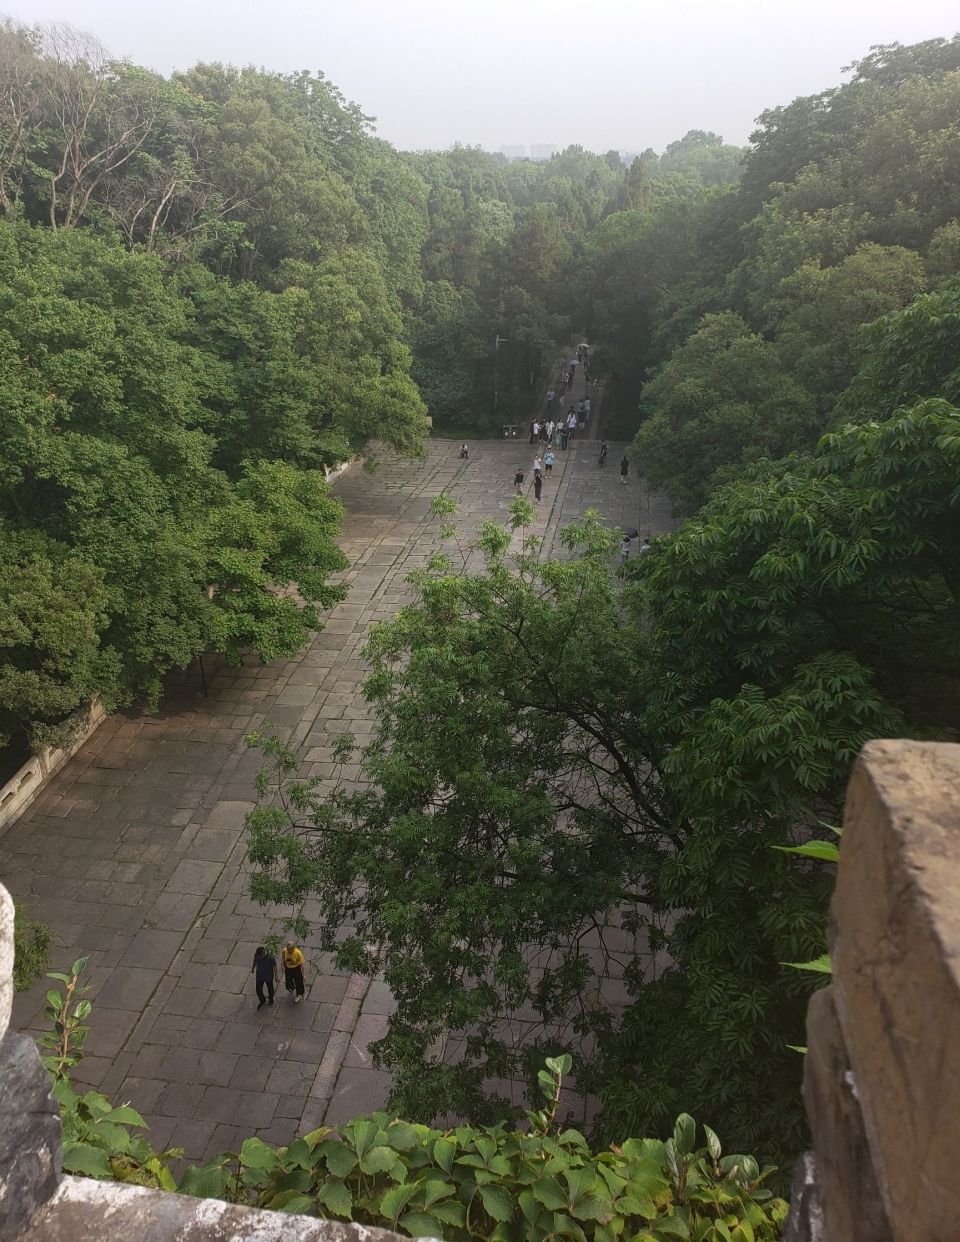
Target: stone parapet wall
[(21, 789), (882, 1074)]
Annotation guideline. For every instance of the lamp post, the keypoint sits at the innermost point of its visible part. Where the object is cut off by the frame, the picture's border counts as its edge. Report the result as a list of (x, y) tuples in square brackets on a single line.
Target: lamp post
[(498, 340)]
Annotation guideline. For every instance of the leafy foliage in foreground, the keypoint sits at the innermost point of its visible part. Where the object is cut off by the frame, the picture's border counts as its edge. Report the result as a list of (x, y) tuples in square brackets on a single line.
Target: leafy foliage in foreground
[(505, 1184), (458, 1183), (31, 950)]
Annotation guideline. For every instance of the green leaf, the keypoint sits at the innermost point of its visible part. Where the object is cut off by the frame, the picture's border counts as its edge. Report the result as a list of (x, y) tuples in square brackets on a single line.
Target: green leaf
[(335, 1195), (443, 1152), (86, 1159), (402, 1137), (339, 1157), (421, 1225), (206, 1182), (434, 1190), (255, 1154), (126, 1116), (451, 1212), (497, 1203), (823, 851), (671, 1227), (684, 1134), (713, 1143), (549, 1192), (593, 1207), (821, 965), (397, 1198), (295, 1179), (298, 1203), (378, 1160)]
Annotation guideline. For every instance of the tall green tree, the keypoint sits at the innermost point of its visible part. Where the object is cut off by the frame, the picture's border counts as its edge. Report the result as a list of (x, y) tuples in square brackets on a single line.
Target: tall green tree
[(723, 400)]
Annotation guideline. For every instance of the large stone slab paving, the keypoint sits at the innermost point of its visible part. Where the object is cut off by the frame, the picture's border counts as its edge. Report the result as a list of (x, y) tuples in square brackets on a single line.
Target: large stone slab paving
[(135, 855)]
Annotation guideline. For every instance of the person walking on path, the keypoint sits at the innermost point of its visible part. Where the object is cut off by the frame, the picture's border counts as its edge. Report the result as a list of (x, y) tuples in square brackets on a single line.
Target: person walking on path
[(537, 466), (604, 450), (537, 486), (563, 438), (518, 482), (551, 397), (624, 468), (548, 461), (571, 423), (535, 433), (625, 550), (293, 962), (267, 973)]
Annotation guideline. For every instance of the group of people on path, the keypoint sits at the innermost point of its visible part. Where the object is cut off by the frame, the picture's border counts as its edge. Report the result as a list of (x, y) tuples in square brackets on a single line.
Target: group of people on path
[(560, 431), (541, 466), (266, 970)]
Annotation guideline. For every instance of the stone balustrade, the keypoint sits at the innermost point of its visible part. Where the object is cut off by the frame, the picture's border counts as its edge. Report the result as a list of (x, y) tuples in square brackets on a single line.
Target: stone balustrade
[(882, 1073)]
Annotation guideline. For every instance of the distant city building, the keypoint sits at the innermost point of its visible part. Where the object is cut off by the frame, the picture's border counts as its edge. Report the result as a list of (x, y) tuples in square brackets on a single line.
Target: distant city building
[(514, 152), (542, 150)]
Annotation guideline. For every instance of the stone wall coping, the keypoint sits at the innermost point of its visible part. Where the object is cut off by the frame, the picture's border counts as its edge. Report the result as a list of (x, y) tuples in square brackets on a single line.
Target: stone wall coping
[(83, 1210)]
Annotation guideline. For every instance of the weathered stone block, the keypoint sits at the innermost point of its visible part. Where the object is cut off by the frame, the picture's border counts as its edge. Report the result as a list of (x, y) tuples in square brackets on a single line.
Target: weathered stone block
[(895, 941), (29, 1134), (805, 1223), (847, 1186), (87, 1211)]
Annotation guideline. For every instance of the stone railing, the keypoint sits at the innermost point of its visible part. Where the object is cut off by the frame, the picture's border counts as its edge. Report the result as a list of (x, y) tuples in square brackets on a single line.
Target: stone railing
[(38, 1203), (882, 1074), (21, 789)]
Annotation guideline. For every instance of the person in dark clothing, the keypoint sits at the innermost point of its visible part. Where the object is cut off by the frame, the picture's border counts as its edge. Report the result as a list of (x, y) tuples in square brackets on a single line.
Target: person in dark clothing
[(624, 468), (518, 481), (265, 970), (537, 486)]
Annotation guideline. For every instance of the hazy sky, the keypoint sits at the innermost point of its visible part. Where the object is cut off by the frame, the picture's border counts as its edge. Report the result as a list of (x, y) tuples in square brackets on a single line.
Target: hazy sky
[(604, 73)]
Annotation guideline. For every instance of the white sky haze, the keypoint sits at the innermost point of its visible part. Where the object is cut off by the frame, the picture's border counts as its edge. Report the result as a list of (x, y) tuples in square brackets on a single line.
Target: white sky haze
[(604, 73)]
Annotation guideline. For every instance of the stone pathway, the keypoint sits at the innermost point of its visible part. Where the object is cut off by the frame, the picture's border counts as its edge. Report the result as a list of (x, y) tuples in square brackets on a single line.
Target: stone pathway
[(134, 853)]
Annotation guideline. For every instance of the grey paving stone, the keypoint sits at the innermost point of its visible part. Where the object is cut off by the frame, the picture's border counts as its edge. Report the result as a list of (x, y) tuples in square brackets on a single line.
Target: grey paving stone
[(130, 987), (178, 1099), (244, 1109), (152, 946)]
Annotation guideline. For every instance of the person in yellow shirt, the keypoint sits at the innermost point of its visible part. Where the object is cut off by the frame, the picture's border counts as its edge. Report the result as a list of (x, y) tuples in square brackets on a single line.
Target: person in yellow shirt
[(293, 962)]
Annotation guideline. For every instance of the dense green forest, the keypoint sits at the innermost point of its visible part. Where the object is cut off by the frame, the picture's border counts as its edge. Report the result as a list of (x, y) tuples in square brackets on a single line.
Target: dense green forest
[(211, 288), (214, 286)]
